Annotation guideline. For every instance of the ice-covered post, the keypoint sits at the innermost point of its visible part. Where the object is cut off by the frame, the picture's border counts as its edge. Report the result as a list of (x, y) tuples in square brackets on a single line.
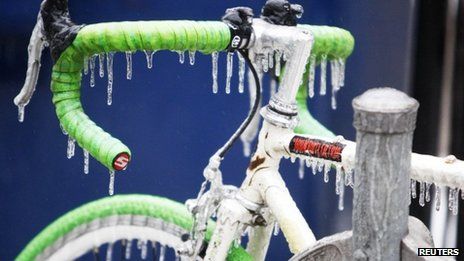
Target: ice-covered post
[(384, 119)]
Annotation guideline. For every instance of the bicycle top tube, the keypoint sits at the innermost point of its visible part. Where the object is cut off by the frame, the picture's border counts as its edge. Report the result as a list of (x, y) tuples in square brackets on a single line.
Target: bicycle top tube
[(206, 37)]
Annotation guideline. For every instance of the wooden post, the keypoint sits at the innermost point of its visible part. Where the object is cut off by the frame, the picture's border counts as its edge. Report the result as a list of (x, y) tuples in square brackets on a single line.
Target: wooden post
[(384, 119)]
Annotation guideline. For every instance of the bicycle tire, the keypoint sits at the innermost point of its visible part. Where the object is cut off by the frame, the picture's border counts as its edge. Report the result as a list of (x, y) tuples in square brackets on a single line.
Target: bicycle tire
[(112, 219)]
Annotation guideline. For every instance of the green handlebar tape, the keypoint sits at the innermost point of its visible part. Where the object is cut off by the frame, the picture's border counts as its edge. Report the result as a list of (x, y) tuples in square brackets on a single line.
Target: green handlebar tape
[(206, 37), (142, 205), (331, 41)]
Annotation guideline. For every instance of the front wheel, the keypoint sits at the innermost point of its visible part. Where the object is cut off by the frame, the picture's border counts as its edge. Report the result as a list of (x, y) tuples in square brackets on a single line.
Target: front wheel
[(119, 218)]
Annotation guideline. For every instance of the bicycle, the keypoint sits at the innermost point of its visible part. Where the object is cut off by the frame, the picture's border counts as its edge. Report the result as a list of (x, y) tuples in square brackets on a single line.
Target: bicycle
[(262, 203)]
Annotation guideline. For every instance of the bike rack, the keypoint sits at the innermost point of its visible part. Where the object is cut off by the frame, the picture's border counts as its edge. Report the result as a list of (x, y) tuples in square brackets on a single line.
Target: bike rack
[(384, 119)]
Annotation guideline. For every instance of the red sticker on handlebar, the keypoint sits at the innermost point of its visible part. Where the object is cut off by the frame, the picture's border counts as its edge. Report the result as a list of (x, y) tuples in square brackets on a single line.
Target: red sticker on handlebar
[(317, 148), (121, 161)]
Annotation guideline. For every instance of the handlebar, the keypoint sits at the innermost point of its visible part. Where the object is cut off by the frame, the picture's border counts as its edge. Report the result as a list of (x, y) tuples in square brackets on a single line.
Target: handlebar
[(205, 37)]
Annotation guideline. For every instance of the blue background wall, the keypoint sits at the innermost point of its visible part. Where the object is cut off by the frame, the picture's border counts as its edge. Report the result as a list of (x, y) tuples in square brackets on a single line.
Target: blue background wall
[(168, 115)]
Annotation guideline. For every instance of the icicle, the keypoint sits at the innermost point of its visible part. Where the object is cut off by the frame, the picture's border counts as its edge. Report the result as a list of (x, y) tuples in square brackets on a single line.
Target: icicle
[(437, 198), (273, 86), (101, 60), (422, 194), (314, 167), (86, 162), (278, 58), (450, 198), (214, 59), (335, 73), (349, 178), (86, 65), (246, 148), (334, 99), (323, 88), (192, 57), (71, 147), (276, 229), (241, 73), (338, 180), (265, 62), (427, 192), (154, 249), (92, 70), (230, 64), (111, 185), (271, 59), (109, 252), (335, 80), (456, 201), (341, 71), (326, 172), (413, 188), (128, 249), (301, 169), (341, 195), (312, 73), (181, 57), (109, 65), (21, 113), (149, 58), (320, 167), (129, 65), (142, 246), (162, 252)]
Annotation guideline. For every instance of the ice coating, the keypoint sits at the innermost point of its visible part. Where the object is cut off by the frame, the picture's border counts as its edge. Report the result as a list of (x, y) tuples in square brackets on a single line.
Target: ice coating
[(111, 184), (230, 64), (278, 58), (101, 62), (413, 189), (192, 57), (301, 170), (129, 65), (276, 229), (21, 113), (181, 57), (162, 252), (149, 57), (312, 72), (86, 65), (109, 65), (86, 161), (437, 198), (422, 194), (341, 192), (71, 147), (241, 73), (127, 252), (92, 61), (142, 246), (109, 252), (323, 88), (214, 61), (273, 86)]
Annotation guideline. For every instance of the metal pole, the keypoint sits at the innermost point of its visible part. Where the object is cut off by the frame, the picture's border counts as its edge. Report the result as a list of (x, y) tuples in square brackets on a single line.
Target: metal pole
[(385, 119)]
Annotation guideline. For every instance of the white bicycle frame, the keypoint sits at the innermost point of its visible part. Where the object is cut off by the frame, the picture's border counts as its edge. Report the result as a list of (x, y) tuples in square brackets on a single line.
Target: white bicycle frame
[(263, 192)]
